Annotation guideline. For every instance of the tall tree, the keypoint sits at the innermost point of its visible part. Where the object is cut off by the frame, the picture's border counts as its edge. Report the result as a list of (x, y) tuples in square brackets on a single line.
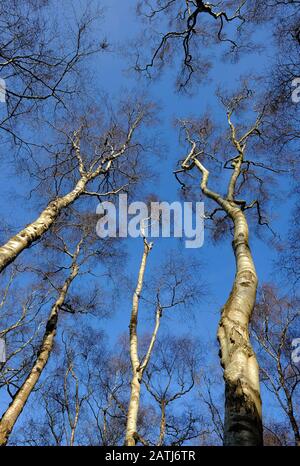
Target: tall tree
[(81, 238), (275, 325), (243, 422), (171, 292), (188, 29), (86, 168)]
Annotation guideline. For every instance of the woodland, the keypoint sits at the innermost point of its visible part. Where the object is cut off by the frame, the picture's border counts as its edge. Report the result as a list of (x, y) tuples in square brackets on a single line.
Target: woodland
[(142, 341)]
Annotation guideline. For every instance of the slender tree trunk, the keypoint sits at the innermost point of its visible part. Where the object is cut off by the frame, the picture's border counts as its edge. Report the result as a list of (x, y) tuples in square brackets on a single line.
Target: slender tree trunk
[(73, 429), (138, 367), (162, 429), (243, 410), (15, 408), (294, 423), (131, 428), (295, 430), (290, 404), (134, 403), (243, 424), (22, 240)]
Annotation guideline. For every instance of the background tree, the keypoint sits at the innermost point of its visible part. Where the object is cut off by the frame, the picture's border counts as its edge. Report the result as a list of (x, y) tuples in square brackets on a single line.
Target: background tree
[(40, 63), (275, 324), (190, 28), (82, 239), (173, 289), (170, 379)]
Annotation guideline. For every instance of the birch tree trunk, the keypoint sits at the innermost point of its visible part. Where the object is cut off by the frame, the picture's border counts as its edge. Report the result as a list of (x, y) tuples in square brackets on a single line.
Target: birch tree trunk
[(162, 429), (243, 422), (243, 425), (18, 403), (35, 230), (22, 240), (131, 428), (138, 367)]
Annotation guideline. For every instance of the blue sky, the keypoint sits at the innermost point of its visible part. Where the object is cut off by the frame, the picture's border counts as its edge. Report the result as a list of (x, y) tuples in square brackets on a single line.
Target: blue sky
[(110, 74)]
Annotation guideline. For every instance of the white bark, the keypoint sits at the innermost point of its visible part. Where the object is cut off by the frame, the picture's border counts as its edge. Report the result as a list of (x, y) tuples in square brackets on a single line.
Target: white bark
[(22, 240), (243, 425), (19, 401), (243, 422), (138, 367), (34, 231), (132, 415)]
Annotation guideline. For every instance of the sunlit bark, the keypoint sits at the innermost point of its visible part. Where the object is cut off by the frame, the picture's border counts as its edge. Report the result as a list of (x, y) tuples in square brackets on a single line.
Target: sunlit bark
[(138, 367), (243, 423), (99, 166)]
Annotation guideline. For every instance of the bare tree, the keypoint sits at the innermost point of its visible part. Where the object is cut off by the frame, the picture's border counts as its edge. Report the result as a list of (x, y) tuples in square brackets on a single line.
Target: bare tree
[(110, 399), (193, 26), (276, 433), (107, 149), (289, 256), (82, 238), (274, 326), (21, 311), (171, 292), (279, 80), (210, 396), (39, 62), (138, 366), (62, 399), (243, 424), (170, 379), (12, 413)]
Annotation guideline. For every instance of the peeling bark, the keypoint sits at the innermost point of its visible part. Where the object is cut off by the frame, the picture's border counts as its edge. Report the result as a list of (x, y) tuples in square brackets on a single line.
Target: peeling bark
[(243, 410), (243, 425)]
